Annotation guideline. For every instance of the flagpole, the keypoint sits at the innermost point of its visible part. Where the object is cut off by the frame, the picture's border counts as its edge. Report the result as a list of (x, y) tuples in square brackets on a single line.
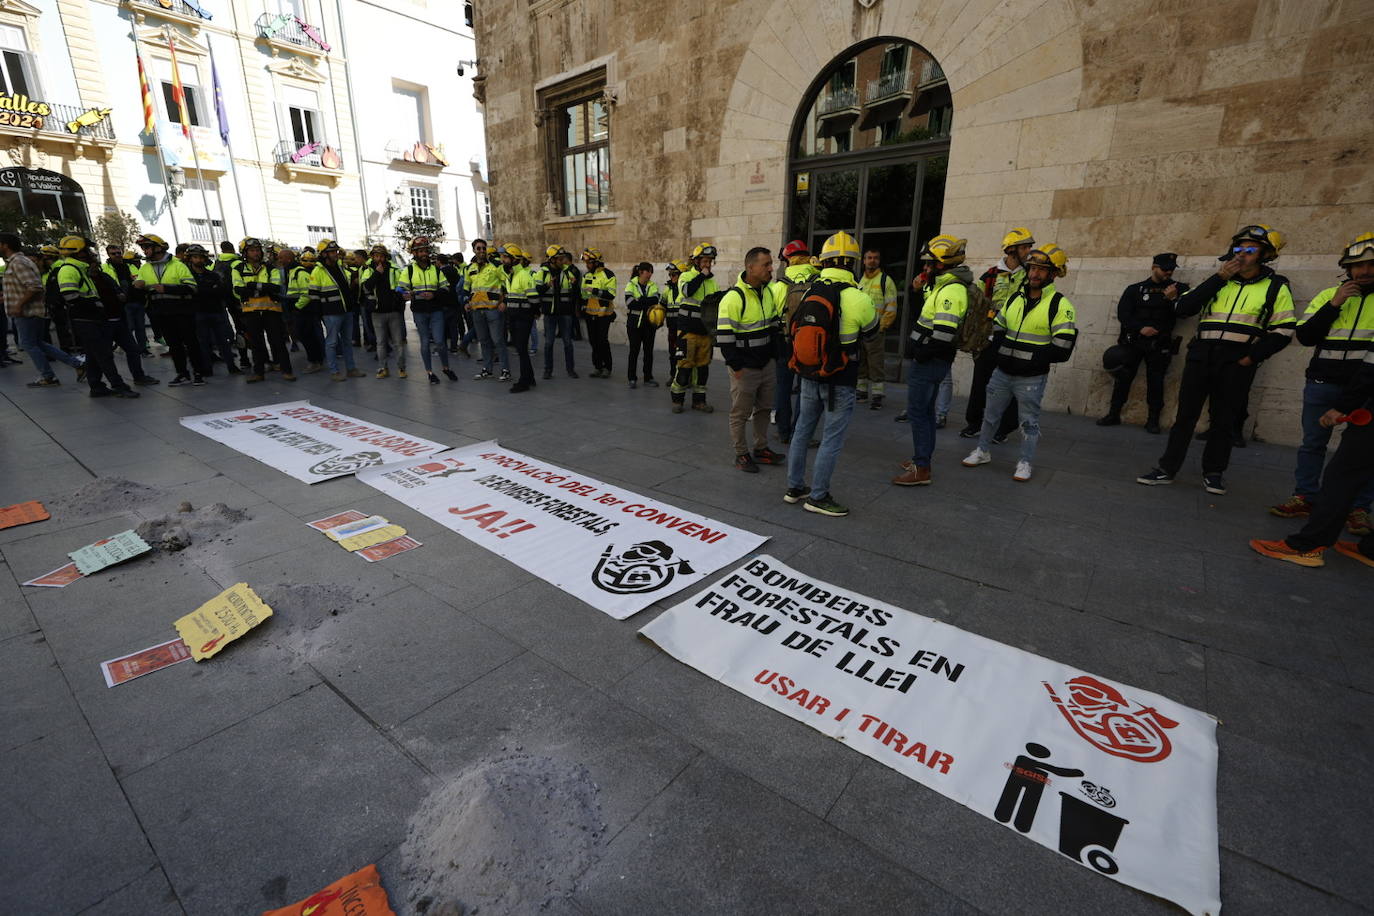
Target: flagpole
[(190, 131), (157, 141), (224, 135)]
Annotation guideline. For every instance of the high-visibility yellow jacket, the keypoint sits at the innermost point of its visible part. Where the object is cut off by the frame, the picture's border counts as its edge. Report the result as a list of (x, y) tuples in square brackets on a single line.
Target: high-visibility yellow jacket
[(883, 292), (598, 293), (485, 283), (639, 299), (333, 297), (1342, 334), (1238, 317), (258, 287), (78, 290), (747, 325), (943, 306), (416, 280), (178, 286), (522, 298), (1033, 333), (693, 287)]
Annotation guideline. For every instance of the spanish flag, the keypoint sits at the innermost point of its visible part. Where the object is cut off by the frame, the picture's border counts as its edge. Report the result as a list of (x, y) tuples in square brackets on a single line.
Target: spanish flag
[(179, 92), (149, 122)]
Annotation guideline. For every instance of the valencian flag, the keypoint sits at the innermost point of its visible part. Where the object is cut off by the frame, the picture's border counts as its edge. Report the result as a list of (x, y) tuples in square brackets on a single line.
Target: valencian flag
[(179, 92), (149, 124), (220, 114)]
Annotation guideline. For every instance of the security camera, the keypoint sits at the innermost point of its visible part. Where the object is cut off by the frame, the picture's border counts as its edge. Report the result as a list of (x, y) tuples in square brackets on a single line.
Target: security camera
[(460, 69)]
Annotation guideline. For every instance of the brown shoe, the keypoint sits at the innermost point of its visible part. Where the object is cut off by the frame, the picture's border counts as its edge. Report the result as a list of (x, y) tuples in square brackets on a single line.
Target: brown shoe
[(703, 407), (913, 477), (337, 377), (287, 377), (356, 373), (255, 378)]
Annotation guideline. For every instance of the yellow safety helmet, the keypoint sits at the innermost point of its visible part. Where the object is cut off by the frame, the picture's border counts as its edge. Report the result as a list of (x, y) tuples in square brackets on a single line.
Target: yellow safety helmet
[(249, 242), (71, 245), (379, 247), (657, 314), (554, 251), (1259, 232), (704, 250), (1017, 235), (1049, 255), (130, 256), (591, 254), (50, 251), (678, 265), (945, 250), (156, 241), (324, 245), (840, 245), (1361, 249), (308, 256), (512, 249)]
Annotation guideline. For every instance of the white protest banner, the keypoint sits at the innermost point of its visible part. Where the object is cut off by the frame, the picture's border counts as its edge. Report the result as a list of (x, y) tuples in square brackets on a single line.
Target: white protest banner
[(308, 443), (615, 549), (1118, 779)]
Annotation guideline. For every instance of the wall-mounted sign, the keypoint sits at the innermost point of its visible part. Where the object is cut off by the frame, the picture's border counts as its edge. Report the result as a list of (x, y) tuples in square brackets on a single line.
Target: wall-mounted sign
[(19, 110), (209, 152)]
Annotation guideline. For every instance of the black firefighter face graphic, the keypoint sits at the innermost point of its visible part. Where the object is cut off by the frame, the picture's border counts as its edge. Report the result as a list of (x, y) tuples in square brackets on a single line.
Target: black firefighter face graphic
[(346, 464), (645, 567)]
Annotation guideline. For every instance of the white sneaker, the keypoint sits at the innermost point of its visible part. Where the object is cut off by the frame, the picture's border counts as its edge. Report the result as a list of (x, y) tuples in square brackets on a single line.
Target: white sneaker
[(976, 457), (1023, 472)]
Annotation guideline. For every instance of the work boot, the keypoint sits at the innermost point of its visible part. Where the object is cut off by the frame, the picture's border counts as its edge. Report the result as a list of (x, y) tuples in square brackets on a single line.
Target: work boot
[(703, 407), (356, 373), (679, 407), (1113, 418), (746, 464), (876, 403), (913, 477), (1152, 424), (861, 395)]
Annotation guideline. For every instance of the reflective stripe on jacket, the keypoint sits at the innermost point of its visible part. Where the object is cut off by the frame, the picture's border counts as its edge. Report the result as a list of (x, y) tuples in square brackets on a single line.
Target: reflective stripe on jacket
[(1029, 342), (1342, 335), (943, 306)]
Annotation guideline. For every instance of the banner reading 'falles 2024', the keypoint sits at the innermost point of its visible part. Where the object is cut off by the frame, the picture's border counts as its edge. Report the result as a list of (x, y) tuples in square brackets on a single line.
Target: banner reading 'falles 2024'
[(1121, 780), (617, 550)]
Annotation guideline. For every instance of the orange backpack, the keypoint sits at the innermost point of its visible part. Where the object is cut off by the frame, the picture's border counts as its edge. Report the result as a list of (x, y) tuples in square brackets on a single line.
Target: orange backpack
[(815, 332)]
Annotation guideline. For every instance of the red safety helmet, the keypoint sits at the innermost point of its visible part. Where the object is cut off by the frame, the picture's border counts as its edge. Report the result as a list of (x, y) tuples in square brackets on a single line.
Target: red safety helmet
[(794, 248)]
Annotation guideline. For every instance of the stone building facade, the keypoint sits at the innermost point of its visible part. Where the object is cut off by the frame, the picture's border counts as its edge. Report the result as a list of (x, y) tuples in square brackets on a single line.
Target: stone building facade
[(332, 131), (1117, 129)]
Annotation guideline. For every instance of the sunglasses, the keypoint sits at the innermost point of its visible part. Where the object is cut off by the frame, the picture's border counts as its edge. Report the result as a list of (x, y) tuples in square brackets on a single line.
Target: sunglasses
[(1245, 249)]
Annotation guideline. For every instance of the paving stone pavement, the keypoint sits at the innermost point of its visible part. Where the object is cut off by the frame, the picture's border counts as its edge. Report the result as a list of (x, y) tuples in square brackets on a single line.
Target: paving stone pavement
[(301, 752)]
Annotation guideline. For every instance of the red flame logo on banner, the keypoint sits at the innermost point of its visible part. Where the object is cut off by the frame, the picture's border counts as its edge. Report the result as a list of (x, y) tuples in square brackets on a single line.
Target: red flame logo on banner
[(1103, 717)]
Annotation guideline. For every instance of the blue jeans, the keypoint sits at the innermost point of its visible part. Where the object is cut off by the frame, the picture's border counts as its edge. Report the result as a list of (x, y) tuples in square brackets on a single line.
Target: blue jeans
[(136, 313), (556, 326), (490, 325), (1317, 399), (783, 379), (1028, 390), (924, 385), (946, 395), (338, 341), (430, 326), (40, 351), (215, 336), (534, 337), (815, 404)]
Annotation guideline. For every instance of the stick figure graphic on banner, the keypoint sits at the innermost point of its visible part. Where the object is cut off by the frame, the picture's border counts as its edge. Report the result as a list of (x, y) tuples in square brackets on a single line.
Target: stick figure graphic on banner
[(1025, 784), (645, 567)]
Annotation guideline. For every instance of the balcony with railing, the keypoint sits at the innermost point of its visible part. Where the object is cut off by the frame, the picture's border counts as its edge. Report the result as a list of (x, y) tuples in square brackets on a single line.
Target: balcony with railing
[(296, 160), (291, 33), (58, 123), (889, 86), (843, 100), (187, 12), (931, 73)]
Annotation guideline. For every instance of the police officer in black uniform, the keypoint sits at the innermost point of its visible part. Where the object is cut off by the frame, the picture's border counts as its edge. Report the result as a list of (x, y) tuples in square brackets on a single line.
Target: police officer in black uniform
[(1146, 313)]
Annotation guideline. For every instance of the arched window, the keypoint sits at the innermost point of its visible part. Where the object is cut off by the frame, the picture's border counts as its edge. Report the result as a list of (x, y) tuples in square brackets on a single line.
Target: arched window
[(869, 150)]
